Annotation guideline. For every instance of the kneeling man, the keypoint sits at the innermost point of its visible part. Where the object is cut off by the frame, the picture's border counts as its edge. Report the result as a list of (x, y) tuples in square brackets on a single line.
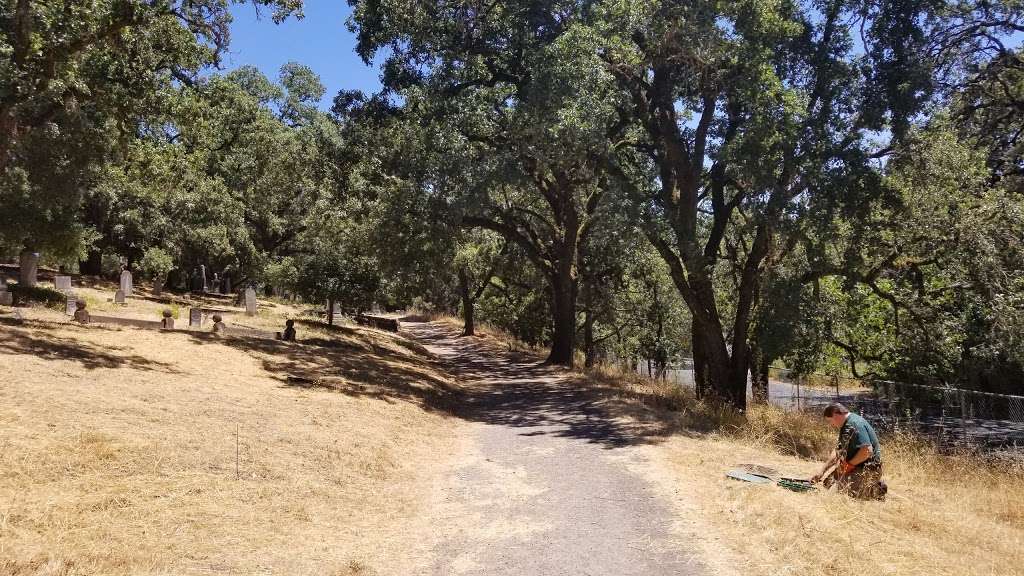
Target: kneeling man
[(859, 469)]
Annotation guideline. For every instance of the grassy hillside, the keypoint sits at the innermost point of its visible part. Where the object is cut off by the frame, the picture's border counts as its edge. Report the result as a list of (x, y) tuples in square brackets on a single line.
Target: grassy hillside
[(131, 451)]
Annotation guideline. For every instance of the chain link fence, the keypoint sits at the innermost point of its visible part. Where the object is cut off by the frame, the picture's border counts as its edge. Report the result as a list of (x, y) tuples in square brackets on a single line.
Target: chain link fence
[(955, 417)]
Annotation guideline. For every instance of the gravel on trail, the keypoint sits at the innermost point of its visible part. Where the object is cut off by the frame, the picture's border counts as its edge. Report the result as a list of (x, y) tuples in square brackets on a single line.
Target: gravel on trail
[(546, 484)]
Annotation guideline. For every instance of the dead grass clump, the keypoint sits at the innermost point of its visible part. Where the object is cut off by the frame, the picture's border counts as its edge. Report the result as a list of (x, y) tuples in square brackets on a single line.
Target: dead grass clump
[(788, 432), (39, 566)]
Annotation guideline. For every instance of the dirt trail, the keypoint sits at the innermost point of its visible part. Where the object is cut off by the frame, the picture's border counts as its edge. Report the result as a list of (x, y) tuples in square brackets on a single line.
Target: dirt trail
[(545, 485)]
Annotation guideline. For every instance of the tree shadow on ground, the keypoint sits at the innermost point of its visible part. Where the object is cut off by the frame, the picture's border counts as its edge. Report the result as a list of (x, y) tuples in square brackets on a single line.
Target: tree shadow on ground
[(494, 386), (48, 347), (354, 366), (516, 389), (360, 335)]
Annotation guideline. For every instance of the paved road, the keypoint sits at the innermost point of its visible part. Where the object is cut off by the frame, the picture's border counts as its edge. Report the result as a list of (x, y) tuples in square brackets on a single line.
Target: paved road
[(545, 487)]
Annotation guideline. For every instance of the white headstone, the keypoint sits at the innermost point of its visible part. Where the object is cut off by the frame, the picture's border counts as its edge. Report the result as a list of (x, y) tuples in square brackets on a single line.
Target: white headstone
[(62, 283), (195, 317), (337, 308), (250, 301), (6, 298), (70, 304), (119, 297), (28, 268), (126, 282)]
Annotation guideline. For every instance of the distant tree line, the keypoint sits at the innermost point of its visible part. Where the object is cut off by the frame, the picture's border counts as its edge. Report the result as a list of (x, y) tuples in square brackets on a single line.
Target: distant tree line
[(833, 185)]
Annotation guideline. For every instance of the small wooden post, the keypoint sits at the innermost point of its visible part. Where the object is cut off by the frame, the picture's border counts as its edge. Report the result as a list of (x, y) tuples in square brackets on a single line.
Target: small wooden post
[(963, 413)]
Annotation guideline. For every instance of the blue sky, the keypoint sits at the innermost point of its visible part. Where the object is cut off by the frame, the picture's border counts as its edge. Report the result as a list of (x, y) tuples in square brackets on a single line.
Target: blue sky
[(320, 41)]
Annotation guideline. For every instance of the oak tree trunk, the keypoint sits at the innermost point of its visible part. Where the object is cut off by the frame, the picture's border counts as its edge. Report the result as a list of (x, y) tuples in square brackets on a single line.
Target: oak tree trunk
[(468, 328), (563, 304), (700, 363)]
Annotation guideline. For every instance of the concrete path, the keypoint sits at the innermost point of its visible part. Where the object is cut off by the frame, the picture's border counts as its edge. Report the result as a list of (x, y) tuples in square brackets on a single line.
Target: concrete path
[(545, 486)]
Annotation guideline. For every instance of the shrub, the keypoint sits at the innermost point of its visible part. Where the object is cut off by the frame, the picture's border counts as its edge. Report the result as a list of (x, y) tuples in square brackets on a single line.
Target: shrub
[(156, 263), (36, 294)]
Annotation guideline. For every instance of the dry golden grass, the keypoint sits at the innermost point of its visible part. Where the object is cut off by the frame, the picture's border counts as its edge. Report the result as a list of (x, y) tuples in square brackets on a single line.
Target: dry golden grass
[(118, 448), (945, 515)]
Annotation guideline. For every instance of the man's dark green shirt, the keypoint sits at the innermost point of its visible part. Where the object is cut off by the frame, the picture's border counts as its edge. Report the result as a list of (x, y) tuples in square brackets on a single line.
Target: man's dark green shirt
[(854, 435)]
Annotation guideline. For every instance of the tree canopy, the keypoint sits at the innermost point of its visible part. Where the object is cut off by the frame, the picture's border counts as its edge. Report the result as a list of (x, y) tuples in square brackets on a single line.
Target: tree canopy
[(830, 184)]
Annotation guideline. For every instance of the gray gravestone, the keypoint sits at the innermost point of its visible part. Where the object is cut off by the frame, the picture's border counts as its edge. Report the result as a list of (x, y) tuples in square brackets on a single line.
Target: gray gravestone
[(62, 283), (202, 276), (126, 283), (28, 263), (119, 297), (70, 304), (226, 285), (6, 298), (250, 301), (195, 317), (158, 286)]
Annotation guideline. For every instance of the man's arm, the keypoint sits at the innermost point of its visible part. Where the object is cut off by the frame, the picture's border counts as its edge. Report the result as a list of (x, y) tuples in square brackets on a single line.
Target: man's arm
[(862, 455), (832, 459)]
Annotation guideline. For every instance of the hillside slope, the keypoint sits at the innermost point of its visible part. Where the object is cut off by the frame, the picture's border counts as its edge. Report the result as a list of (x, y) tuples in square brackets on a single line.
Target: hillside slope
[(131, 451)]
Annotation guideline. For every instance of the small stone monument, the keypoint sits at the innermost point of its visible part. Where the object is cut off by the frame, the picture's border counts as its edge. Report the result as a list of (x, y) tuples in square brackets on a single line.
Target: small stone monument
[(119, 297), (62, 283), (195, 317), (126, 282), (70, 304), (216, 284), (167, 322), (28, 262), (289, 331), (203, 286), (158, 285), (6, 298), (250, 301), (218, 326), (226, 285), (81, 314)]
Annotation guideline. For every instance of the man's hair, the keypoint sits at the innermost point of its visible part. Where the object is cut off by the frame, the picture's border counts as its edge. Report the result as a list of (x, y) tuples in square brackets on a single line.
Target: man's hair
[(835, 408)]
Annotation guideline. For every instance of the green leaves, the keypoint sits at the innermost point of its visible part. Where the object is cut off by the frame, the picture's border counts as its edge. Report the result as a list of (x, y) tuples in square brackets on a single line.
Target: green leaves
[(76, 81)]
